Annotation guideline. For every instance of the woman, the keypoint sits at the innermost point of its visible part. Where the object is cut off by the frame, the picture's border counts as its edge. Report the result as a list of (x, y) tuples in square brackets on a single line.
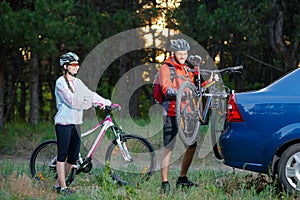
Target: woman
[(72, 96)]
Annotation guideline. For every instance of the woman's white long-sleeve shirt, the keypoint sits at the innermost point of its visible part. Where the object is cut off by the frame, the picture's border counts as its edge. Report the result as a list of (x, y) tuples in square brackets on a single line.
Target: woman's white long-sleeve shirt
[(70, 105)]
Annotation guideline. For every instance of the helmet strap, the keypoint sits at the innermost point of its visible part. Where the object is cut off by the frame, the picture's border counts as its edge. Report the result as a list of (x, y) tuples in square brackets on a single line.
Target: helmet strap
[(71, 73), (176, 60), (67, 71)]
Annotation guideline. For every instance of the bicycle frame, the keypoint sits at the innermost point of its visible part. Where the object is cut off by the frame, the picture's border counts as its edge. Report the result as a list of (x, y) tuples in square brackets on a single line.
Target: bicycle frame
[(206, 108), (210, 97), (105, 124)]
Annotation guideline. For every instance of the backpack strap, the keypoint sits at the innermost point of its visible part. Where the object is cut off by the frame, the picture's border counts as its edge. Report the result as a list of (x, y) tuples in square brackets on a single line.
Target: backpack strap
[(172, 76), (172, 71)]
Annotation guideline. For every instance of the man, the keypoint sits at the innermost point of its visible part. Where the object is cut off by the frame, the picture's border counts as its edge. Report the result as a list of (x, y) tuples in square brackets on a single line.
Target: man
[(169, 87)]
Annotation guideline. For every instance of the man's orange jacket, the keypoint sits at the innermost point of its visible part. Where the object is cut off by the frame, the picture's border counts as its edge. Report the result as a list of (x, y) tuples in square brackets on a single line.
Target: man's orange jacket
[(170, 88)]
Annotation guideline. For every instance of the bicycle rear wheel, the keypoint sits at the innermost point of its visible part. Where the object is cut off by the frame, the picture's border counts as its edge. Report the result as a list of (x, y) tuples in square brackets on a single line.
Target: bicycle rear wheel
[(141, 166), (218, 118), (43, 164), (188, 113)]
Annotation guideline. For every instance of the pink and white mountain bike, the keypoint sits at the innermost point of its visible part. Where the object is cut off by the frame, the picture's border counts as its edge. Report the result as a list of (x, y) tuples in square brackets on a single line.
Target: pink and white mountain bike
[(130, 158)]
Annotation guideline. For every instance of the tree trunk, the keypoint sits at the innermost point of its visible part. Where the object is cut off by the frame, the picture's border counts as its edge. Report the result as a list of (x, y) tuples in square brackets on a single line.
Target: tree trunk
[(276, 31), (22, 105), (2, 84), (123, 91), (134, 100), (34, 91), (10, 95)]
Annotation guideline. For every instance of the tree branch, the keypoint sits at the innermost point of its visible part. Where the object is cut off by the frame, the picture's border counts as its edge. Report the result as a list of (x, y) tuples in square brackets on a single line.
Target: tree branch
[(264, 63)]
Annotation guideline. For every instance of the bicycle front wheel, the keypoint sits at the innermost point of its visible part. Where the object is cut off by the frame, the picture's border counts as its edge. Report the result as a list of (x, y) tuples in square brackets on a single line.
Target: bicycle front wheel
[(188, 113), (43, 164), (141, 165)]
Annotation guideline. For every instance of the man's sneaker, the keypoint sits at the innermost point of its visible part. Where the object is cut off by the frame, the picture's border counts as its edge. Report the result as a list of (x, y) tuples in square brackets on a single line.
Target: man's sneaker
[(165, 187), (184, 182), (56, 189), (66, 191)]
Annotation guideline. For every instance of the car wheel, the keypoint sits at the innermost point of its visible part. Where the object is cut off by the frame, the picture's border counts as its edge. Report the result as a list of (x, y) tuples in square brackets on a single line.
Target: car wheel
[(289, 169)]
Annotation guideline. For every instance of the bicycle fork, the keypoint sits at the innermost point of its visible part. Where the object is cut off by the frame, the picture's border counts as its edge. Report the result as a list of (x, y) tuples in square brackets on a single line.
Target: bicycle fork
[(121, 144)]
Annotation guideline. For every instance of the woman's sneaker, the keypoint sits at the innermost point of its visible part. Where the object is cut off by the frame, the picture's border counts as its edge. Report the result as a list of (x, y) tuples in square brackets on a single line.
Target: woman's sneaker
[(185, 182), (66, 191), (165, 187)]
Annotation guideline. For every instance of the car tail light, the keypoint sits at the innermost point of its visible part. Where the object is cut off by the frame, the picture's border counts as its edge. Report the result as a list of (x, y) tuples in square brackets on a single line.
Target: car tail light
[(233, 113)]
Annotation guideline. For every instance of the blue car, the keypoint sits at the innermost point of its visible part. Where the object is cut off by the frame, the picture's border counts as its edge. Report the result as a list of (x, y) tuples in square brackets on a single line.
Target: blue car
[(262, 133)]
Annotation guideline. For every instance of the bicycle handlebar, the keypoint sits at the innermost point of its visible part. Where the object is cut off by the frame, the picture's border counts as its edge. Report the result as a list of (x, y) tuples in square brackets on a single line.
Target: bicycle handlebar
[(234, 69), (198, 59), (228, 69), (237, 68), (113, 106)]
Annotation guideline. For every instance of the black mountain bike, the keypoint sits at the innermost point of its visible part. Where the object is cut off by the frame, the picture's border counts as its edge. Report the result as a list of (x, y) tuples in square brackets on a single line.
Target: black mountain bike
[(194, 101)]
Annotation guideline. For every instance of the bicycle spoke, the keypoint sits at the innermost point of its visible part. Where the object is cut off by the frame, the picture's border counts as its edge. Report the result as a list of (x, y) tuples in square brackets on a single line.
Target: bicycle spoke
[(217, 124), (43, 164), (141, 165), (188, 113)]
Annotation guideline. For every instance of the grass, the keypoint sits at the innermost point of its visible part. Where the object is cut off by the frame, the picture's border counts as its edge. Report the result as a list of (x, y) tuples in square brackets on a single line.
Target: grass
[(214, 183), (15, 183)]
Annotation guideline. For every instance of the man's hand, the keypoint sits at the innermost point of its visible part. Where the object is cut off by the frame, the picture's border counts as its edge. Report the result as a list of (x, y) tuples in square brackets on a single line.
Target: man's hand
[(214, 76)]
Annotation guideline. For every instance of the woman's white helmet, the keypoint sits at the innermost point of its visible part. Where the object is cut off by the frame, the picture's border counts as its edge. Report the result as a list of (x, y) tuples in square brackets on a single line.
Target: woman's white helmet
[(67, 58), (180, 45)]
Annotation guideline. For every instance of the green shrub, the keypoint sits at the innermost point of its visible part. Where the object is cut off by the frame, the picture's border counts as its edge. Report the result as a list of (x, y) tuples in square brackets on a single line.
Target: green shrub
[(21, 137)]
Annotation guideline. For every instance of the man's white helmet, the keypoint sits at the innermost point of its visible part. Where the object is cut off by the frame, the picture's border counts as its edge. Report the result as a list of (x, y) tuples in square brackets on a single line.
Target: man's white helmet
[(180, 45)]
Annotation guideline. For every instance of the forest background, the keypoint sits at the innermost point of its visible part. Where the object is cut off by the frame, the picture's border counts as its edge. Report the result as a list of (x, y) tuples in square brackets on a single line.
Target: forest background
[(263, 36)]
